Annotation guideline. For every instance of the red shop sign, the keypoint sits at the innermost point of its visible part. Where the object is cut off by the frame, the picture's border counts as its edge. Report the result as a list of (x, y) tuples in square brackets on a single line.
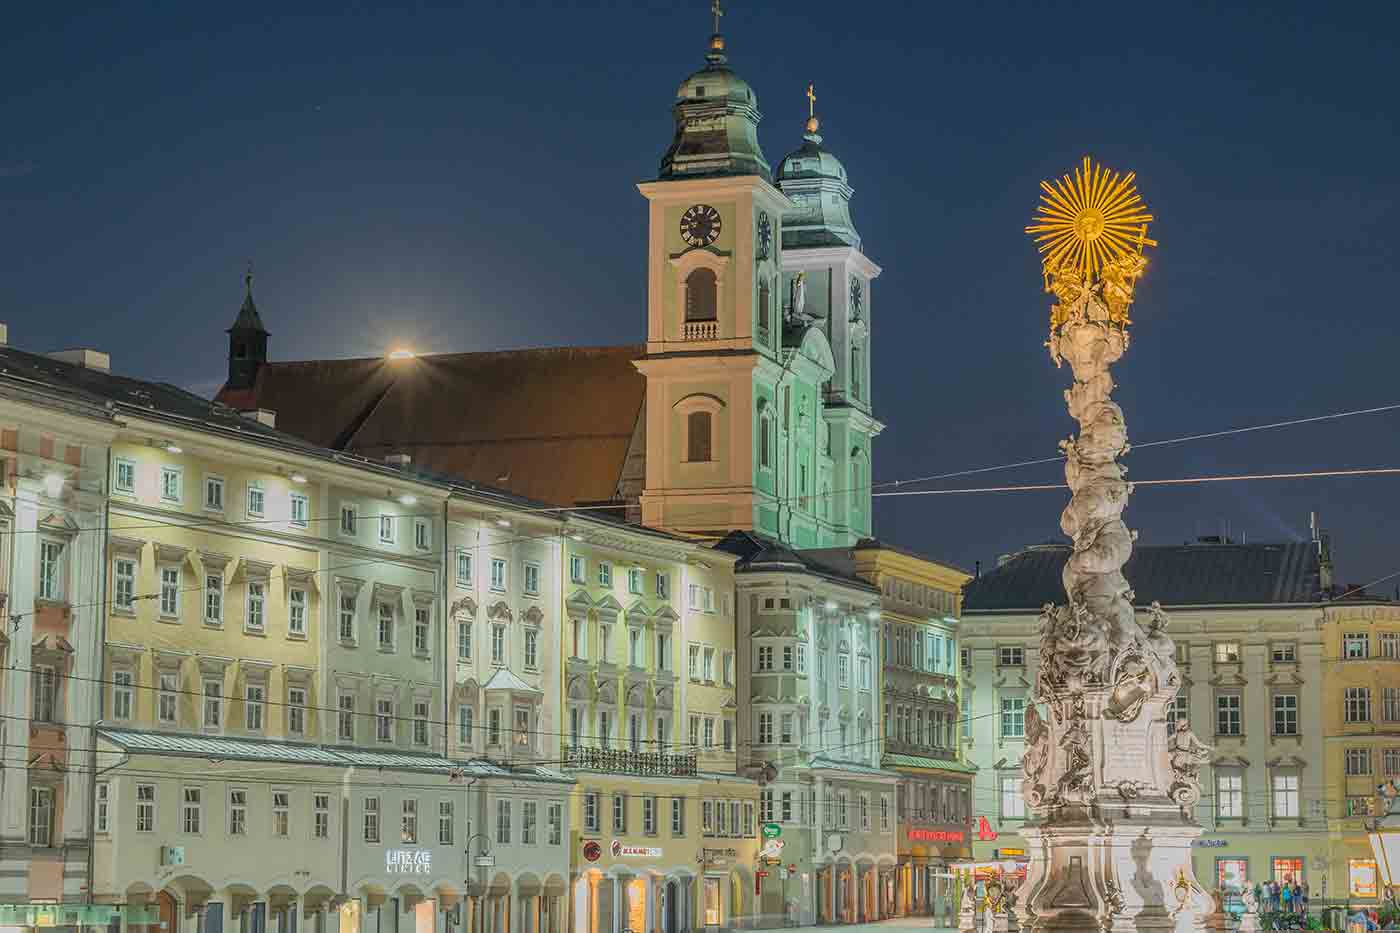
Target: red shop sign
[(936, 835)]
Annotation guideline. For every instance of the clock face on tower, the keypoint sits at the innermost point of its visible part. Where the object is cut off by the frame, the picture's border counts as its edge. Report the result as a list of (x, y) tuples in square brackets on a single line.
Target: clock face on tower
[(700, 225)]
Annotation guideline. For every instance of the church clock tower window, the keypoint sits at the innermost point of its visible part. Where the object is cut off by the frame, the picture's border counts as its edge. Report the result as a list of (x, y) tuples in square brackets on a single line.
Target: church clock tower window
[(700, 296), (698, 448)]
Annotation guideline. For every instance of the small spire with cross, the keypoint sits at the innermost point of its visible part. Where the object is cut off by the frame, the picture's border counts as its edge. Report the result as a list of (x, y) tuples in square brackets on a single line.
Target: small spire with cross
[(248, 278), (812, 122), (718, 12)]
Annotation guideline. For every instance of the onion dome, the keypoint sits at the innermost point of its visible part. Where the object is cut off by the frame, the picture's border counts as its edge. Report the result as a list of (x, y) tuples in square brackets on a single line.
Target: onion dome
[(816, 181), (716, 116)]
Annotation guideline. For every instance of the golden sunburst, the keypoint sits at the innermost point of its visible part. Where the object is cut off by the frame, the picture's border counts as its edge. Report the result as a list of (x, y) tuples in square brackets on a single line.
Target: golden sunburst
[(1088, 221)]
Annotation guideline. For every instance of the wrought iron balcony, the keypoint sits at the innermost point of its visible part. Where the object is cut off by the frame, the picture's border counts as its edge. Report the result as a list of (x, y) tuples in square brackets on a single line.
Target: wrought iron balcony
[(625, 761)]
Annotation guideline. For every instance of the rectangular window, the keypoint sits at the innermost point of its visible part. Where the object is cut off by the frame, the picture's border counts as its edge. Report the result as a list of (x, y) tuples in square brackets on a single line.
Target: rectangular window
[(1391, 761), (345, 717), (213, 704), (1013, 805), (253, 699), (764, 660), (576, 569), (1356, 646), (634, 647), (51, 570), (527, 822), (498, 574), (464, 640), (1285, 714), (801, 659), (590, 812), (104, 807), (635, 581), (843, 670), (1176, 710), (1286, 798), (237, 811), (663, 586), (257, 500), (347, 616), (170, 483), (1358, 762), (677, 817), (663, 651), (282, 813), (785, 731), (296, 612), (1227, 715), (1390, 645), (125, 476), (384, 720), (556, 823), (863, 672), (1229, 795), (619, 811), (257, 596), (1011, 656), (122, 692), (123, 584), (1356, 705), (408, 826), (729, 735), (884, 813), (145, 808), (493, 727), (465, 715), (300, 508), (1013, 717), (503, 822), (166, 702), (386, 529), (445, 822), (296, 710), (420, 722), (1283, 652), (1390, 704), (170, 592), (422, 630), (213, 599), (604, 574), (464, 567), (532, 579), (422, 534), (213, 493), (371, 820), (321, 816), (693, 661), (498, 644), (765, 728), (385, 628), (349, 519), (192, 810), (1227, 652), (41, 816), (532, 649)]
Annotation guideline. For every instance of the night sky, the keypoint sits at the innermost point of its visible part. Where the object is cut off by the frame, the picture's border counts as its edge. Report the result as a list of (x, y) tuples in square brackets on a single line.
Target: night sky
[(464, 178)]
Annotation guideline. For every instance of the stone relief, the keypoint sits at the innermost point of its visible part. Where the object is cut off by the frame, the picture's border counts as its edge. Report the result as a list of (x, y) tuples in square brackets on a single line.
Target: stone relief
[(1187, 755), (1036, 757)]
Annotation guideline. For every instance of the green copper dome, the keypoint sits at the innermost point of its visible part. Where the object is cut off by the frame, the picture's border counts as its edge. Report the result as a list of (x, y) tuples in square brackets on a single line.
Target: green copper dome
[(816, 181), (717, 116)]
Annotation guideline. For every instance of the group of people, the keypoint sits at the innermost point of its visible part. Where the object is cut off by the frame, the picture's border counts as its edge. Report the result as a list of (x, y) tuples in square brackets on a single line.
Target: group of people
[(1290, 897)]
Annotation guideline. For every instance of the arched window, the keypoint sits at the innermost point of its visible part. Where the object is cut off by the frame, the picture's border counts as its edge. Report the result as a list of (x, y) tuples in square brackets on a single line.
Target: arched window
[(765, 439), (763, 312), (855, 482), (857, 371), (698, 447), (700, 302)]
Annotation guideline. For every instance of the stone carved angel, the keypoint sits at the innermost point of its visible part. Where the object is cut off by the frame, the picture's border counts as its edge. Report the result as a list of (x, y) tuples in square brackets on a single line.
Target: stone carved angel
[(1036, 757), (1187, 754)]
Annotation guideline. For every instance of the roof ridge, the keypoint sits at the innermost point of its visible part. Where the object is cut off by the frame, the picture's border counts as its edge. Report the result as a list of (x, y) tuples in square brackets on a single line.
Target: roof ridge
[(456, 354)]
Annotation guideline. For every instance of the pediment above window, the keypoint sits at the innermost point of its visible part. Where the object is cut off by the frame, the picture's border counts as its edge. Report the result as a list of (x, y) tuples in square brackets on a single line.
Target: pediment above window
[(126, 547), (214, 664), (464, 606), (387, 593), (1286, 762), (171, 553), (577, 687), (532, 617), (350, 586), (299, 577), (58, 523), (422, 597), (499, 612), (249, 569), (1229, 761)]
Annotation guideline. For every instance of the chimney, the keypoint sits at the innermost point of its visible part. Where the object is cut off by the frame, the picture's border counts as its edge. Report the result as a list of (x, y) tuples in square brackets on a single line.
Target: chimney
[(263, 416), (84, 358), (399, 461)]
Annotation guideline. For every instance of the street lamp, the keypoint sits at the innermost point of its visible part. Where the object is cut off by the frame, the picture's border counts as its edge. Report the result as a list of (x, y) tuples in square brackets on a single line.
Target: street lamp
[(1385, 838)]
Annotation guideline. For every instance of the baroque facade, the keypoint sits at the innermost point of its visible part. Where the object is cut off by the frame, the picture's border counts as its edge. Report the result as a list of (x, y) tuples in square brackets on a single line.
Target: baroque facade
[(1246, 620)]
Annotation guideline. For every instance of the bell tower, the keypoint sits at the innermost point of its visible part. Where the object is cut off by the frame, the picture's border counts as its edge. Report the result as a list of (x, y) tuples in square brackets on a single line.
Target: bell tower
[(247, 341), (714, 319)]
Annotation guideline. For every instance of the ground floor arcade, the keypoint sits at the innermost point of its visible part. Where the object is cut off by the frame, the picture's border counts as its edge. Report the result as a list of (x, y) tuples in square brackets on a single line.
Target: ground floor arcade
[(678, 900)]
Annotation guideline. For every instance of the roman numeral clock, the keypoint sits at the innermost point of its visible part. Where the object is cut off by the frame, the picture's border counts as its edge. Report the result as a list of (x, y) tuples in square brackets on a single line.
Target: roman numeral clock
[(700, 225)]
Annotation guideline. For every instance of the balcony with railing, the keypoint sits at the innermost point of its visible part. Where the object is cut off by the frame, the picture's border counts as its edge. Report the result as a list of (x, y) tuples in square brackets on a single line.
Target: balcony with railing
[(626, 761), (700, 330)]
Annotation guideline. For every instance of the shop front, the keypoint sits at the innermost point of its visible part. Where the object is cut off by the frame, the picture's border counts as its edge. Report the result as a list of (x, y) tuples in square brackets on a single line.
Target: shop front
[(924, 878), (623, 886)]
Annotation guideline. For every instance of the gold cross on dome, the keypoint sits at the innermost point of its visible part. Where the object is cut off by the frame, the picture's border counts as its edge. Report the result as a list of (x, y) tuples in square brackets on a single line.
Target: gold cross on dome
[(715, 9), (811, 100)]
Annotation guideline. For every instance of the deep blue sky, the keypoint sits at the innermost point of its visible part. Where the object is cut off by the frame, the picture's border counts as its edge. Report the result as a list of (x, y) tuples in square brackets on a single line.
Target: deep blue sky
[(463, 178)]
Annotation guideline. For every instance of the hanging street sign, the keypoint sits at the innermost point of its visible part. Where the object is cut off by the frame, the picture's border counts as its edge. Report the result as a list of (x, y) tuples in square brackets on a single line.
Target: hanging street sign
[(772, 830)]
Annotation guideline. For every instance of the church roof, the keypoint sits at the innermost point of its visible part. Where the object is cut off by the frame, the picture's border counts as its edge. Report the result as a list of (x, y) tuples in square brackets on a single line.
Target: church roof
[(248, 318), (759, 553), (1202, 574), (816, 182), (552, 425), (716, 114)]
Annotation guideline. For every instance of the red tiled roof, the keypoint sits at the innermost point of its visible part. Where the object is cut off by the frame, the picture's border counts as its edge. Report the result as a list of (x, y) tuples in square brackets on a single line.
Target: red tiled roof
[(549, 424)]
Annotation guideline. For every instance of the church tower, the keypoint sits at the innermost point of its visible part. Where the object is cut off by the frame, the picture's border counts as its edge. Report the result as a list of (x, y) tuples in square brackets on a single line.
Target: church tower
[(247, 342), (735, 434), (824, 268)]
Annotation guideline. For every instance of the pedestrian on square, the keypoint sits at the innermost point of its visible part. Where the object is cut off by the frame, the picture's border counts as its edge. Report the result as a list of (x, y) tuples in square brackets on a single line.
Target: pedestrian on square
[(1303, 897), (1286, 897)]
